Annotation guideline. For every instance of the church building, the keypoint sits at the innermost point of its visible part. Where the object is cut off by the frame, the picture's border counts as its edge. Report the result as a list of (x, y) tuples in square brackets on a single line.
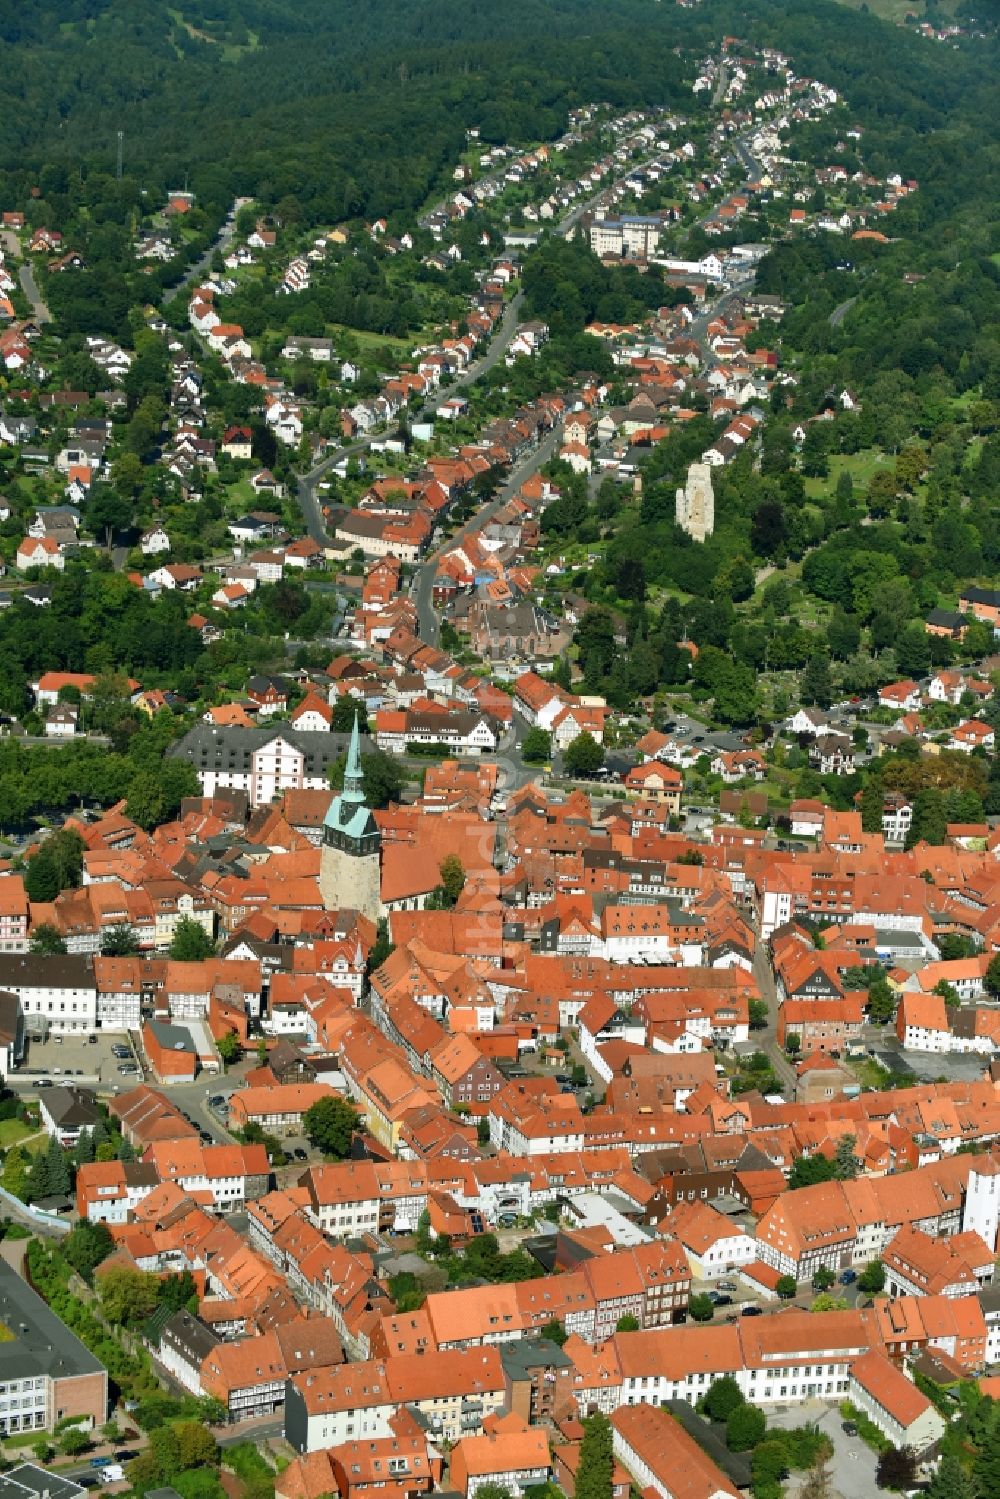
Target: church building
[(350, 862)]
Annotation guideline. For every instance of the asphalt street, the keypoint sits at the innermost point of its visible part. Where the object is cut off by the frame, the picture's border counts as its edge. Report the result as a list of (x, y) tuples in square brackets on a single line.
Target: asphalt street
[(26, 275), (428, 623), (221, 242)]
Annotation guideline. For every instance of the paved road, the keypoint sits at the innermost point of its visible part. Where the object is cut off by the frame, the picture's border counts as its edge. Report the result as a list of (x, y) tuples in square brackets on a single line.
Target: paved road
[(767, 1039), (751, 165), (222, 241), (838, 314), (250, 1431), (500, 340), (29, 286), (721, 86), (427, 620), (192, 1099), (26, 275)]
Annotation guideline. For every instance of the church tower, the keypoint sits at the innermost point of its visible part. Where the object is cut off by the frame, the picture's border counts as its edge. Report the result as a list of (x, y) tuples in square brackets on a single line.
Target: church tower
[(350, 867), (981, 1209)]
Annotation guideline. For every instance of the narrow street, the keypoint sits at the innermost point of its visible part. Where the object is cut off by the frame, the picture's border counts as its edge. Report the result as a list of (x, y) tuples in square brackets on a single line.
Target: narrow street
[(221, 242), (428, 623), (307, 494), (767, 1039), (12, 248)]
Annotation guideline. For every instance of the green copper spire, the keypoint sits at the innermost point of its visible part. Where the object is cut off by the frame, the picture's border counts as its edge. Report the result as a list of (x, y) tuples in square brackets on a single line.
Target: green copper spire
[(354, 779), (349, 822)]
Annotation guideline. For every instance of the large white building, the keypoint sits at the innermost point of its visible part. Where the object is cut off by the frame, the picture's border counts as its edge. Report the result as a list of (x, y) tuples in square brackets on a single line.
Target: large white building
[(57, 991), (634, 237), (264, 763)]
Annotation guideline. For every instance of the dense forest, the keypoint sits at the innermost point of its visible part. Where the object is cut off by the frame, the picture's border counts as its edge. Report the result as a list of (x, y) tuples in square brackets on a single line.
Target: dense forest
[(347, 108), (351, 108)]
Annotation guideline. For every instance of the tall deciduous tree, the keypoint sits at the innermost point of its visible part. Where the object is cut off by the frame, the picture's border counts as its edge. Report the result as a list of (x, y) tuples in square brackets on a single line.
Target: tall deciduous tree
[(583, 756), (951, 1481), (896, 1468), (45, 938), (593, 1477), (190, 942), (329, 1124)]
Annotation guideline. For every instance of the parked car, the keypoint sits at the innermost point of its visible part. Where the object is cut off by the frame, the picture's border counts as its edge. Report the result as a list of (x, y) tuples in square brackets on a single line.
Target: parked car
[(751, 1311), (848, 1278), (728, 1285), (850, 1429), (43, 1082), (720, 1299)]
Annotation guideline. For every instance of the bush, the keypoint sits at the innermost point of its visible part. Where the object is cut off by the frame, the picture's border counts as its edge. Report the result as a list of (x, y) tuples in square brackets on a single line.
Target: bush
[(246, 1462)]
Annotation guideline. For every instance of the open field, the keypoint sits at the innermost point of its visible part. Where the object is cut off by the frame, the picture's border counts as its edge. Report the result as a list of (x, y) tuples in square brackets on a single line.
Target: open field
[(898, 10)]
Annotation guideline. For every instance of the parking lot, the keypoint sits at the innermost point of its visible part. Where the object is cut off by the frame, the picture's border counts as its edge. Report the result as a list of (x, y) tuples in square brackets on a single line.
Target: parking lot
[(90, 1061), (853, 1463)]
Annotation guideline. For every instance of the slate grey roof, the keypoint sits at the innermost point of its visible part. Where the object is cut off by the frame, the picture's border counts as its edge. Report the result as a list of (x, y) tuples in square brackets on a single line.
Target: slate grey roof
[(46, 971), (29, 1481), (209, 747), (41, 1343), (173, 1037), (71, 1108)]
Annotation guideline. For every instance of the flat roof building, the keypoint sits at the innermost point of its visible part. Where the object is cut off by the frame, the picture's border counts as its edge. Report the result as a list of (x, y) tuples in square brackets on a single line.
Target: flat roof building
[(46, 1371)]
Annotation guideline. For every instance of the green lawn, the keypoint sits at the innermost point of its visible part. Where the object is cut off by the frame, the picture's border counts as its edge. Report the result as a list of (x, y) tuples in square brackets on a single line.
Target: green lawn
[(897, 10), (860, 466), (240, 495), (868, 1072), (12, 1132), (376, 343)]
